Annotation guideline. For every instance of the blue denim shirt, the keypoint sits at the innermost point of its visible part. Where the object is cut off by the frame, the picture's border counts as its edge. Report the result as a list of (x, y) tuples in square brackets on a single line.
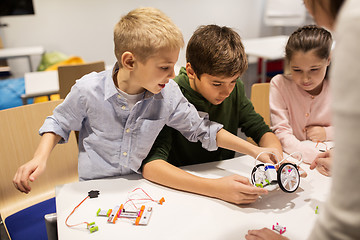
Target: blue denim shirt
[(113, 140)]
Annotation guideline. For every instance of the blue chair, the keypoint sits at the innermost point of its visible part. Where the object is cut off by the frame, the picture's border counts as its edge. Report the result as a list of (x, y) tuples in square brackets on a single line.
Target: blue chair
[(18, 225), (23, 214)]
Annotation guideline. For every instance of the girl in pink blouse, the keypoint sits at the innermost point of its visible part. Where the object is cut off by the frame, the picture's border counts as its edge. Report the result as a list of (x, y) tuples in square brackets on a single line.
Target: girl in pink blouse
[(300, 100)]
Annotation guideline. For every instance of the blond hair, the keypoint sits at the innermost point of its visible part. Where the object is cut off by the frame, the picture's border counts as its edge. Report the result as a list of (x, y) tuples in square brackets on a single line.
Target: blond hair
[(143, 32)]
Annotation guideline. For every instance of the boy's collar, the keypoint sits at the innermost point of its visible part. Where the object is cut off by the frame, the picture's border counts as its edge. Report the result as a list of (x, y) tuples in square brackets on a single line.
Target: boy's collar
[(110, 88)]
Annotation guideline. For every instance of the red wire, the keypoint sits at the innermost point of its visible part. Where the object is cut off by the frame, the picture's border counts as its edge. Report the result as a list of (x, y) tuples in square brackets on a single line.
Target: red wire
[(140, 199), (143, 192), (129, 200), (73, 212)]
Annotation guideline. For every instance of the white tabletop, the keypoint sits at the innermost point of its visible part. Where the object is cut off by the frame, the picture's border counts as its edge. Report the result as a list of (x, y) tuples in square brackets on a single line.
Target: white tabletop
[(21, 51), (269, 48), (190, 216), (37, 83)]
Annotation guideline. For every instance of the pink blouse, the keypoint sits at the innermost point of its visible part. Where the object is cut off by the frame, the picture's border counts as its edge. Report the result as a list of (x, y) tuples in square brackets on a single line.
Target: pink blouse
[(292, 109)]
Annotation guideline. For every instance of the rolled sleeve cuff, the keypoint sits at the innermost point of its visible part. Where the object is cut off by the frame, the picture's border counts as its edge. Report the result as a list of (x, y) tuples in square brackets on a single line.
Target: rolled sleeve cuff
[(51, 125), (209, 142)]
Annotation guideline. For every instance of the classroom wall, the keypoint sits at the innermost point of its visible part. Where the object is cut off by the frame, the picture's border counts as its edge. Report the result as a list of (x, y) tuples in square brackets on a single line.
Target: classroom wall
[(84, 27)]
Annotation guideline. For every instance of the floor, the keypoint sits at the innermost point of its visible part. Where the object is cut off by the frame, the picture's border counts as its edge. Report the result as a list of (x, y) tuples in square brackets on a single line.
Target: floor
[(3, 235)]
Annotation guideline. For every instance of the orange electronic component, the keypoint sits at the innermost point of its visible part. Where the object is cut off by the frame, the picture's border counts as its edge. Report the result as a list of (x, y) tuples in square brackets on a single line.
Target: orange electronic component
[(113, 216), (118, 213), (137, 221), (161, 201), (144, 216)]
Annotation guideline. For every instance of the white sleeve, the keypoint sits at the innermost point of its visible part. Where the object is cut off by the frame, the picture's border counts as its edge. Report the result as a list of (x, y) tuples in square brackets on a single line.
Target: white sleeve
[(341, 216)]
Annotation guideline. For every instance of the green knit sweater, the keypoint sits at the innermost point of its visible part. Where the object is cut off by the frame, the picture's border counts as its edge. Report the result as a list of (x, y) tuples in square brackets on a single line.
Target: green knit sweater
[(234, 112)]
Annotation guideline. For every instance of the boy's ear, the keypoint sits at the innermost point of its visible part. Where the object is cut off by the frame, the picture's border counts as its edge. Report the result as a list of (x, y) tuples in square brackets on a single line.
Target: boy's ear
[(190, 72), (328, 61), (128, 60)]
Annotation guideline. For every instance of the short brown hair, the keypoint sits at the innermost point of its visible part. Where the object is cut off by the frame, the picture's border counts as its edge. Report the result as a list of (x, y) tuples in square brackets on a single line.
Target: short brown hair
[(144, 31), (217, 51)]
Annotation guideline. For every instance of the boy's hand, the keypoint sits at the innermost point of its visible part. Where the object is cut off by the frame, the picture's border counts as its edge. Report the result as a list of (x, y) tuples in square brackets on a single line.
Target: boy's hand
[(29, 171), (237, 189), (315, 133), (267, 155), (263, 234), (322, 163)]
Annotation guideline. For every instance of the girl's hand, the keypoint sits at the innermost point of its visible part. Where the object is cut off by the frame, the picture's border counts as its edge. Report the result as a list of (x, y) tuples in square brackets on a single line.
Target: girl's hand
[(323, 163), (315, 133)]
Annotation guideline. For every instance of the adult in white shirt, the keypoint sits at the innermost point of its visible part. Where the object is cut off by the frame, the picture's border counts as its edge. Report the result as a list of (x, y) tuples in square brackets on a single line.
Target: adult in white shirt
[(341, 216)]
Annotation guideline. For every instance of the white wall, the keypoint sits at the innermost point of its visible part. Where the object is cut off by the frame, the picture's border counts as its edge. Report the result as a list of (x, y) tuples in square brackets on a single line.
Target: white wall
[(84, 27)]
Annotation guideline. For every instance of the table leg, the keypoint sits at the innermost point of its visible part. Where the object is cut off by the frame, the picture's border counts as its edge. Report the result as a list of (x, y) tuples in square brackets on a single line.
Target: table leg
[(24, 100), (263, 70), (30, 64)]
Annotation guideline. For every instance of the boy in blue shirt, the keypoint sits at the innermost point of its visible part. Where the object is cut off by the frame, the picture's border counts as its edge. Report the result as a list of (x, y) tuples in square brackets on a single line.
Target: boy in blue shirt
[(119, 113)]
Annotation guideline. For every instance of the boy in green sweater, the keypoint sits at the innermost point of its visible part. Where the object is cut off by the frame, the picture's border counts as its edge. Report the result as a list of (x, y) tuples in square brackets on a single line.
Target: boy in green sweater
[(210, 81)]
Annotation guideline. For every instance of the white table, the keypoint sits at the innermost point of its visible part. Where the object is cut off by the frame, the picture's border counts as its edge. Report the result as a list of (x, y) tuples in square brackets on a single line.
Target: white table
[(7, 53), (44, 83), (190, 216), (266, 48)]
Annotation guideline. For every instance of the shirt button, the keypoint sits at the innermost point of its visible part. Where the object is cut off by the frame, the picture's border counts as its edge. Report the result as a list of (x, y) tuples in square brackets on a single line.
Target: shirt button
[(123, 107), (127, 130), (119, 96), (125, 153), (307, 114), (312, 97)]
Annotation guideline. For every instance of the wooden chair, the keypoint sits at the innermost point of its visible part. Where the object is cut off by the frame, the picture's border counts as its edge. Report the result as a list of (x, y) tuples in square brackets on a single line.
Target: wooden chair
[(23, 214), (68, 74), (260, 100)]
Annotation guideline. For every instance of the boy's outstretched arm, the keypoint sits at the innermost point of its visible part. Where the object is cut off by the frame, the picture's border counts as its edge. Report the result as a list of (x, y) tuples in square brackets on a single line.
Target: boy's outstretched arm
[(235, 189), (230, 141), (269, 140), (32, 169)]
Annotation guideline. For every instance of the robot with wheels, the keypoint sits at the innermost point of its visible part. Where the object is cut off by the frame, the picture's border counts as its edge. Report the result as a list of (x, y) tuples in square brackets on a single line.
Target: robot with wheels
[(287, 176)]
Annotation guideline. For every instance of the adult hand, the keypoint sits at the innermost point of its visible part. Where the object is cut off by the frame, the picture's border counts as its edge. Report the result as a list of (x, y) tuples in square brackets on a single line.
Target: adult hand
[(237, 189), (28, 172), (323, 163), (263, 234), (315, 133)]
